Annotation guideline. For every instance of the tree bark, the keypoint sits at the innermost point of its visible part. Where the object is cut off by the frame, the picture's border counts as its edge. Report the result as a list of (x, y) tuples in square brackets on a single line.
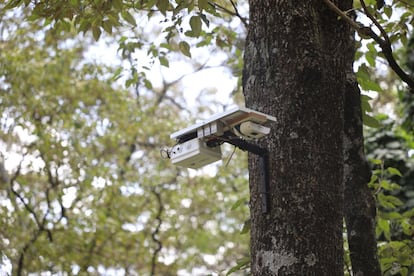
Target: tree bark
[(359, 203), (295, 70)]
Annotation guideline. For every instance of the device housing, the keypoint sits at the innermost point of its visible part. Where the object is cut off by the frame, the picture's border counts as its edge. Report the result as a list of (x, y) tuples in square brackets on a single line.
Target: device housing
[(194, 154)]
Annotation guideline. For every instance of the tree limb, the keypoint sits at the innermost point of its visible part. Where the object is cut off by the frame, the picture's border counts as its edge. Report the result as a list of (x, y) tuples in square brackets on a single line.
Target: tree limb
[(384, 41), (155, 232), (232, 13)]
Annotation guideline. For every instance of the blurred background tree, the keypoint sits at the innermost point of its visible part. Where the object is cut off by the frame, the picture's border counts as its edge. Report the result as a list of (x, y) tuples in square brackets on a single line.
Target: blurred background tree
[(85, 189)]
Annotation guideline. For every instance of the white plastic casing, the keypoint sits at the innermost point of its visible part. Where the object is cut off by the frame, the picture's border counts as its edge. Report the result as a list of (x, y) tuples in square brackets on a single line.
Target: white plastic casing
[(253, 130), (210, 129), (194, 154), (228, 119)]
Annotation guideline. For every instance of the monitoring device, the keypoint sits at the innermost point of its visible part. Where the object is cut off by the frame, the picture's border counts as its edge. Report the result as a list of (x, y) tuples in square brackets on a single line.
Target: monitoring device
[(194, 154), (199, 145), (253, 130), (217, 124)]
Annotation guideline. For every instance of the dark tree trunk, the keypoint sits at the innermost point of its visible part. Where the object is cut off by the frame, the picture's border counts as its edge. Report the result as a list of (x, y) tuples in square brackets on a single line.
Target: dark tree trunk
[(295, 70), (359, 203)]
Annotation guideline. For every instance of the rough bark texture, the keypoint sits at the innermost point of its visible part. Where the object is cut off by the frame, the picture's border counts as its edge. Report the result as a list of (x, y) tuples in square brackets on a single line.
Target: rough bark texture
[(359, 208), (295, 71)]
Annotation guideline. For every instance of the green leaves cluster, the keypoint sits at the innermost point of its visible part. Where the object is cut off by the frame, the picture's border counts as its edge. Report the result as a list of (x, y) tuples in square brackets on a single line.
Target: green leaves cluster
[(394, 227)]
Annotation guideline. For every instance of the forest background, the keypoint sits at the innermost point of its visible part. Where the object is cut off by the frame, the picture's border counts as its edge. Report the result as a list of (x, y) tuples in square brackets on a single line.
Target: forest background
[(83, 186)]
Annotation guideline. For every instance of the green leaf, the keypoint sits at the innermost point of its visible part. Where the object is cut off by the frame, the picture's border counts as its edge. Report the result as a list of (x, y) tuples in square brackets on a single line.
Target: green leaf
[(240, 264), (117, 4), (385, 185), (365, 105), (389, 201), (96, 31), (185, 48), (409, 213), (107, 26), (13, 3), (166, 46), (371, 121), (384, 226), (394, 171), (164, 61), (408, 228), (203, 4), (163, 5), (365, 81), (195, 23), (370, 57), (237, 204), (376, 161), (246, 227), (147, 84), (390, 215), (388, 11), (369, 85), (85, 25), (128, 18)]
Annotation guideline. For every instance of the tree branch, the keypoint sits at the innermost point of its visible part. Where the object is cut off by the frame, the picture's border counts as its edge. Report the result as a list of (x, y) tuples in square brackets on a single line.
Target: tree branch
[(232, 13), (383, 42), (40, 224), (155, 232)]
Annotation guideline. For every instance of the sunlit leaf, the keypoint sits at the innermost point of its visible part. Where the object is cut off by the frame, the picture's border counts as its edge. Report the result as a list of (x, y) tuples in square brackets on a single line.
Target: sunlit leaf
[(195, 23), (185, 48), (164, 61), (163, 5), (394, 171), (96, 31), (128, 18), (246, 227)]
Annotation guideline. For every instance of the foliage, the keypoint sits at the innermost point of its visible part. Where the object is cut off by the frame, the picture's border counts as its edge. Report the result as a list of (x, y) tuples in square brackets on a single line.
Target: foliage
[(394, 227), (389, 148), (387, 25), (87, 191)]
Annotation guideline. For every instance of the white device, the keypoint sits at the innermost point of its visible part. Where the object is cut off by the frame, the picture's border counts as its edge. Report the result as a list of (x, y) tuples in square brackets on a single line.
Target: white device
[(199, 144), (194, 154), (222, 122), (253, 130)]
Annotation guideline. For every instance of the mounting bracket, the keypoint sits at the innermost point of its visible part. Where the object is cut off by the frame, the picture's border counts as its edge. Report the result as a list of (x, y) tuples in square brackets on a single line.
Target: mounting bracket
[(263, 154)]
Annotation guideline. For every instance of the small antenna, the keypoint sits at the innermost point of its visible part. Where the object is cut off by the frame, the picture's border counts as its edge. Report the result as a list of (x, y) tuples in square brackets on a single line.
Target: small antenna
[(230, 157)]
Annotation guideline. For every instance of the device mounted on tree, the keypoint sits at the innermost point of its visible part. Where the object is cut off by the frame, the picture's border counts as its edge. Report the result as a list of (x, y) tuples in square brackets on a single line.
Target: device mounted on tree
[(200, 144)]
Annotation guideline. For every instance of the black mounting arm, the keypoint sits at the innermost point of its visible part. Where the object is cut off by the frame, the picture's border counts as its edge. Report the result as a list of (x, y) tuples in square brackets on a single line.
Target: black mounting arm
[(263, 163)]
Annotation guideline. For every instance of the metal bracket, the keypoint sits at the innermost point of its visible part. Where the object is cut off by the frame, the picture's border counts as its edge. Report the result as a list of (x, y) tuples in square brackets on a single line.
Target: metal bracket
[(263, 153)]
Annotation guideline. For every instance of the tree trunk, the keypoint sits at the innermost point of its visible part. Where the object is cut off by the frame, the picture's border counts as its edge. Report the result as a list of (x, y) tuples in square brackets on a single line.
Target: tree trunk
[(359, 208), (295, 70), (359, 203)]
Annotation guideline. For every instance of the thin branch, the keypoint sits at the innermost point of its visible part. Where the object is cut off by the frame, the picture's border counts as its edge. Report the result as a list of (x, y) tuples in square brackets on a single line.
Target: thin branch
[(232, 13), (376, 23), (20, 197), (26, 247), (406, 3), (155, 232), (384, 42), (166, 85), (236, 10), (342, 14)]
